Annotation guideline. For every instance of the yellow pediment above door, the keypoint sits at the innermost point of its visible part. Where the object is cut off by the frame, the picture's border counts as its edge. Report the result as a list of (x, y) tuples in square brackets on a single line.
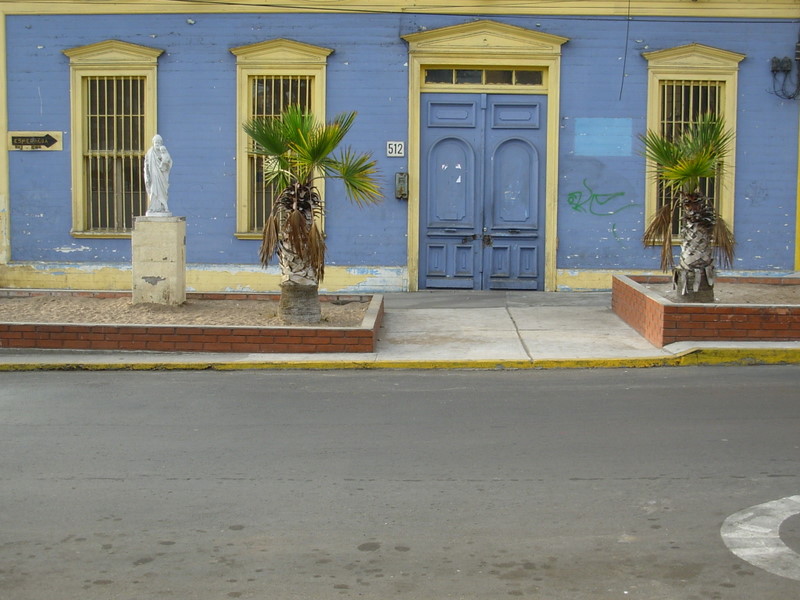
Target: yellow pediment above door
[(486, 37)]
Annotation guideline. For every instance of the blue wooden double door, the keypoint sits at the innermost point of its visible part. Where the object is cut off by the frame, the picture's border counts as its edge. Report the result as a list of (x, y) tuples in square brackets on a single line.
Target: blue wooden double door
[(482, 191)]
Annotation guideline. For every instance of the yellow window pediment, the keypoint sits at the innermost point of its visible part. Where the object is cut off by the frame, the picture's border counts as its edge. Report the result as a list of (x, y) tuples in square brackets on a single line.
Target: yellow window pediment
[(111, 52), (281, 51), (693, 56), (488, 37)]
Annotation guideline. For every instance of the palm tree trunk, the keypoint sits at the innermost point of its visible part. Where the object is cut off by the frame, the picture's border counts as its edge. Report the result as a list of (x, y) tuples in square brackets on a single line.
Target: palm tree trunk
[(696, 285), (299, 302), (694, 275)]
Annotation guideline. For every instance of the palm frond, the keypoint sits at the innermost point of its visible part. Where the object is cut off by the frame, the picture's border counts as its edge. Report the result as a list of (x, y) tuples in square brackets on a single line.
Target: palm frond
[(724, 243), (277, 171), (708, 134), (698, 152), (659, 233), (659, 150), (269, 239), (324, 139), (316, 250), (267, 133), (295, 230), (358, 172), (686, 173)]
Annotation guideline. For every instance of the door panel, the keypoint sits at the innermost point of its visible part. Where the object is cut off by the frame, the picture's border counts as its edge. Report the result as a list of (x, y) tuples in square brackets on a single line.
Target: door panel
[(482, 191), (514, 186), (450, 140), (517, 113), (452, 190)]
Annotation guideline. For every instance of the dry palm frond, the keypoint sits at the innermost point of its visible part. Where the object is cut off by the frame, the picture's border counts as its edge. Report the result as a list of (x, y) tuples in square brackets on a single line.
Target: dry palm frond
[(316, 250), (659, 233), (295, 230), (269, 239), (724, 243)]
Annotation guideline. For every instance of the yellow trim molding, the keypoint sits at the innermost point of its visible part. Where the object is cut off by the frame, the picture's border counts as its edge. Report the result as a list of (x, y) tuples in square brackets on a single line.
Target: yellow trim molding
[(480, 43), (797, 212), (787, 9), (5, 225)]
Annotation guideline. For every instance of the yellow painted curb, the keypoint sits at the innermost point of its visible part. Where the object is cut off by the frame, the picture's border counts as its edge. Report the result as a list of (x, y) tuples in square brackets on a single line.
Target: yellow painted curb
[(740, 356), (691, 357)]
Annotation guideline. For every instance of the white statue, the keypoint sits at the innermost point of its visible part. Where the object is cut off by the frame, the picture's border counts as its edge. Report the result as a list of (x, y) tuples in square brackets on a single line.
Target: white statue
[(157, 163)]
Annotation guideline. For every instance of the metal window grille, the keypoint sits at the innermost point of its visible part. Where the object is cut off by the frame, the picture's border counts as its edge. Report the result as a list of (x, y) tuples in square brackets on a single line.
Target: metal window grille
[(682, 102), (269, 96), (113, 152)]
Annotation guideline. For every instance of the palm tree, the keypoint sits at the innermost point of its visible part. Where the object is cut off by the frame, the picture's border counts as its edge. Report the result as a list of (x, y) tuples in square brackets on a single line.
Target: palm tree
[(681, 164), (298, 151)]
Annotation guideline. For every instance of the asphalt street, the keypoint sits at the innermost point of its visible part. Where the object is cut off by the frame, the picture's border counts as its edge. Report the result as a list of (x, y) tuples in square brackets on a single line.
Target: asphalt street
[(578, 484)]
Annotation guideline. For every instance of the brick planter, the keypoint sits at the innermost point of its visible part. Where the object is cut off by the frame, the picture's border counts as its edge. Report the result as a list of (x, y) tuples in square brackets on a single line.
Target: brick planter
[(663, 322), (194, 338)]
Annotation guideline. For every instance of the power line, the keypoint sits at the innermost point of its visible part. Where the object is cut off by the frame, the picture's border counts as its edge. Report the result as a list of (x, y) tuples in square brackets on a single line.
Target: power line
[(469, 11), (625, 54)]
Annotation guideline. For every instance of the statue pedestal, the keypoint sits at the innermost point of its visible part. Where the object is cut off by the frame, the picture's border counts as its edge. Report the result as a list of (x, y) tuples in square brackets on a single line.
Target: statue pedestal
[(159, 260)]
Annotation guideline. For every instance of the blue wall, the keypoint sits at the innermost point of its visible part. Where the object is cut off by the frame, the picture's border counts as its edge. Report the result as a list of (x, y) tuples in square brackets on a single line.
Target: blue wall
[(601, 178), (197, 119), (766, 161)]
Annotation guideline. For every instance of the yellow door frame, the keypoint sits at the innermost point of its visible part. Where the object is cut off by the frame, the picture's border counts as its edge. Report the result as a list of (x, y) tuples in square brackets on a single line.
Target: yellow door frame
[(5, 205), (484, 44)]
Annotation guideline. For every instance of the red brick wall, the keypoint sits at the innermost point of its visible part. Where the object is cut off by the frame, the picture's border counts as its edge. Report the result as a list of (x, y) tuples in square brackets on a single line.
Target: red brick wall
[(185, 338), (641, 311), (662, 322)]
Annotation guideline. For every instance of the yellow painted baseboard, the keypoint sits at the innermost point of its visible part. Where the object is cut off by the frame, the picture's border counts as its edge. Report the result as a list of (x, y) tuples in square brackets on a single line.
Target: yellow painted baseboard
[(576, 280), (199, 278)]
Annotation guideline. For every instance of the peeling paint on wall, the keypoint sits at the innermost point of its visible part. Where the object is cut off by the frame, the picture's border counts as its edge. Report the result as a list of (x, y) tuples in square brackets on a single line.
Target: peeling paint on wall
[(69, 249)]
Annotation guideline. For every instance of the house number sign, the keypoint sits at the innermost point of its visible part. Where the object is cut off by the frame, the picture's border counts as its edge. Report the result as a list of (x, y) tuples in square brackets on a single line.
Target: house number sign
[(395, 149)]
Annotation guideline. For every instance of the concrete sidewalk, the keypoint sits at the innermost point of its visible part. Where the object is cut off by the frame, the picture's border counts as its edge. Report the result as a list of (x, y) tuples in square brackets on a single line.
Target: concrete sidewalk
[(458, 329)]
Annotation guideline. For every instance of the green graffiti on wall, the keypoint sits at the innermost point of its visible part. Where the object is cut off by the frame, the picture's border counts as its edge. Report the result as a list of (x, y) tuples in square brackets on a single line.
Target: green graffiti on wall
[(601, 205)]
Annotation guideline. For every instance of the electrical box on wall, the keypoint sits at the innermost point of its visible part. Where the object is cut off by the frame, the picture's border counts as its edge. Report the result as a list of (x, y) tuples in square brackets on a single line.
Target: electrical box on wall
[(401, 186)]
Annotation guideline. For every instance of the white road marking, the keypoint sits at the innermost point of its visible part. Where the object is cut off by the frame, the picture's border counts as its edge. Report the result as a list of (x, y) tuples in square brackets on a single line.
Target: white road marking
[(753, 534)]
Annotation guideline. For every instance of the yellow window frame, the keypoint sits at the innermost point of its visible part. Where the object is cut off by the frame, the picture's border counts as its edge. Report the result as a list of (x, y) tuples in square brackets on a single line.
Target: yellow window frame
[(110, 59), (485, 86), (694, 64), (273, 58)]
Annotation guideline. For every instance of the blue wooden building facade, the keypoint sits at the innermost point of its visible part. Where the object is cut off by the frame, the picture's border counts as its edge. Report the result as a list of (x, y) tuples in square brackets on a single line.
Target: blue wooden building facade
[(507, 134)]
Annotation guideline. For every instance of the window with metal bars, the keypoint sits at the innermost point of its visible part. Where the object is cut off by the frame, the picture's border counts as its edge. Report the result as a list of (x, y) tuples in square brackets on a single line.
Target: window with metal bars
[(681, 103), (269, 96), (113, 152)]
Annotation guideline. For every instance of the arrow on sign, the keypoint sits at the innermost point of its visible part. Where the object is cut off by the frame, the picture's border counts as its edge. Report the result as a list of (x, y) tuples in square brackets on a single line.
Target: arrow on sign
[(46, 140)]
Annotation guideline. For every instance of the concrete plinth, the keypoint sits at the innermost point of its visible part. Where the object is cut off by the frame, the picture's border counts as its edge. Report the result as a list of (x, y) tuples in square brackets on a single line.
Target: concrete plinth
[(159, 260)]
